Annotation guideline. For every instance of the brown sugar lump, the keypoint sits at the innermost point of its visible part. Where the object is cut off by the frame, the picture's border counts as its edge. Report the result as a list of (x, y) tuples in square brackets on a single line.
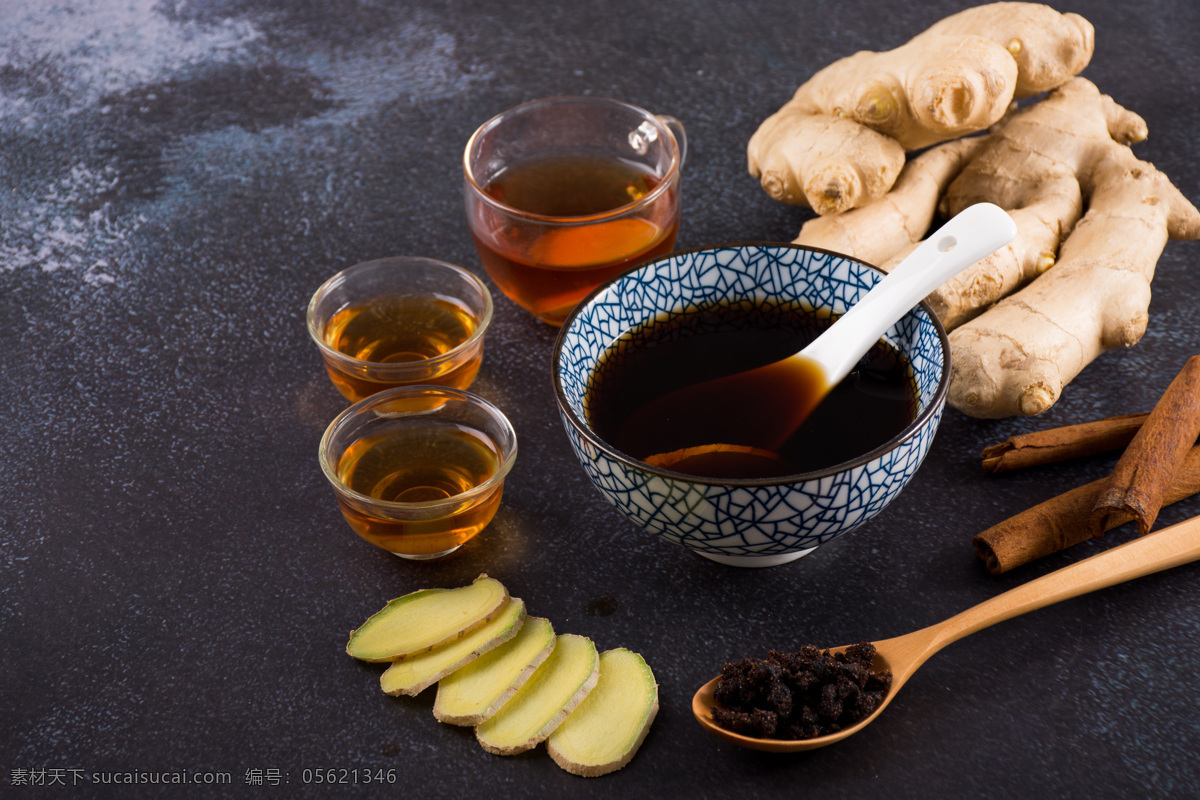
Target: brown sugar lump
[(800, 695)]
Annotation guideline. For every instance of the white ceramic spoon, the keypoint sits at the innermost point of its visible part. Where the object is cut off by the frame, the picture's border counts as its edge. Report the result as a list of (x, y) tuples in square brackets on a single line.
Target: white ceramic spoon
[(784, 393)]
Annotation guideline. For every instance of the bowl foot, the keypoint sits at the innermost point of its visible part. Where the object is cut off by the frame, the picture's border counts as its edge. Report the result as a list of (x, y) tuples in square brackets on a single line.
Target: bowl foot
[(755, 561), (425, 556)]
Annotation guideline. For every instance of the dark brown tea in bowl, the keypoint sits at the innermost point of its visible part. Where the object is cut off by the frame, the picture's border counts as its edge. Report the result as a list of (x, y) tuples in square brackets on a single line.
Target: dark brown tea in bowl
[(869, 408)]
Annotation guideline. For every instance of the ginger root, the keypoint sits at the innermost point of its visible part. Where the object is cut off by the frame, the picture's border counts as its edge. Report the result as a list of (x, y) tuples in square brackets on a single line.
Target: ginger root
[(803, 156), (1059, 141), (1070, 286), (1086, 279), (1016, 357), (1049, 48), (958, 77), (899, 220)]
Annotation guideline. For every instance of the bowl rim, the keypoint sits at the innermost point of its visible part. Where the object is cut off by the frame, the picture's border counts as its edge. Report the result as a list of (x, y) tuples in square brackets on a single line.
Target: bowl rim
[(910, 431), (670, 178)]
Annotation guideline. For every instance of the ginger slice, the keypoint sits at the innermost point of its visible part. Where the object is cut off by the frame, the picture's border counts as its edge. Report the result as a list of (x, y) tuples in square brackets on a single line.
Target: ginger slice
[(414, 674), (605, 731), (426, 619), (474, 693), (555, 690)]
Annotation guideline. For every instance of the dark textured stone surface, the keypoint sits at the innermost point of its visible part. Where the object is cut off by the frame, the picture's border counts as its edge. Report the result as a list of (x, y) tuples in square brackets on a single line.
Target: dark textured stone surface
[(176, 585)]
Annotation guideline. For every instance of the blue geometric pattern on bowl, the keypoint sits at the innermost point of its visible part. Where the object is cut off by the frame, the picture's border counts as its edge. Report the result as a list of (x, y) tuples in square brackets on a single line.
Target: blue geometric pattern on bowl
[(739, 518)]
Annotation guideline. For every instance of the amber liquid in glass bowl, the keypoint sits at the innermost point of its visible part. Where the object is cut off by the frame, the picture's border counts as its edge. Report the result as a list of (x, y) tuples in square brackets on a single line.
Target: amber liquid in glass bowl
[(412, 462), (398, 330), (549, 268)]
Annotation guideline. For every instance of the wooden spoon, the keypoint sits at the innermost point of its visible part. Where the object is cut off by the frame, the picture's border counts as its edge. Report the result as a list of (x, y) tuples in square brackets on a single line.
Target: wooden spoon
[(781, 395), (1169, 547)]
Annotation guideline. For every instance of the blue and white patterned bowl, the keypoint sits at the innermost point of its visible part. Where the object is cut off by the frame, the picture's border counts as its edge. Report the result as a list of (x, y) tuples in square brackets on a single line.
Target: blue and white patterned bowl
[(744, 522)]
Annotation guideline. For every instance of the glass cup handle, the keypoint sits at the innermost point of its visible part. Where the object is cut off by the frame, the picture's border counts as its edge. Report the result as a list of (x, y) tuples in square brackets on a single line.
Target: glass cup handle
[(676, 128)]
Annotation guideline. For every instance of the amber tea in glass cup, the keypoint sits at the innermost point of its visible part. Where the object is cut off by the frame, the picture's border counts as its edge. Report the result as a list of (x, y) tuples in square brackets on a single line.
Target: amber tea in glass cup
[(419, 470), (400, 322), (566, 192)]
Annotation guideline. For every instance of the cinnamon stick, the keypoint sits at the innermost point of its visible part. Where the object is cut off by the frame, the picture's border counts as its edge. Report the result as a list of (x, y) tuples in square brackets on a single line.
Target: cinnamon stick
[(1059, 444), (1063, 521), (1145, 471)]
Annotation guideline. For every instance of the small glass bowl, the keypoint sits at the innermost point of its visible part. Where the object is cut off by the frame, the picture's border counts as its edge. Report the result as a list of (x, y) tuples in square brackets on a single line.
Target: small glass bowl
[(400, 322), (419, 470)]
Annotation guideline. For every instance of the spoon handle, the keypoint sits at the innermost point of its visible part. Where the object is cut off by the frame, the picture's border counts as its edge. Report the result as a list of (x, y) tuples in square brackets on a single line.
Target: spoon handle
[(1160, 550), (973, 234)]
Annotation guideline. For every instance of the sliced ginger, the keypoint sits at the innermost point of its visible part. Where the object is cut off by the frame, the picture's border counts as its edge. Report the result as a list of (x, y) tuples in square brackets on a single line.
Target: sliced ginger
[(509, 675), (547, 698), (414, 674), (423, 620), (608, 727), (477, 691)]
